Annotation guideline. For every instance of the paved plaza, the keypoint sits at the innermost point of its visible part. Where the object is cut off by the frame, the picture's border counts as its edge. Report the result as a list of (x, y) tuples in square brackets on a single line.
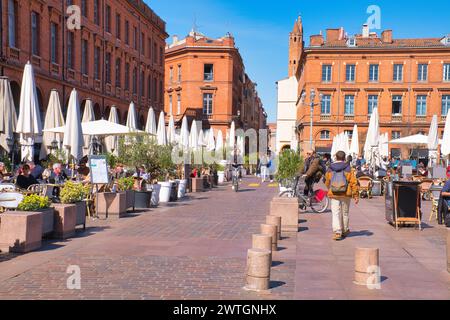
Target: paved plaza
[(197, 248)]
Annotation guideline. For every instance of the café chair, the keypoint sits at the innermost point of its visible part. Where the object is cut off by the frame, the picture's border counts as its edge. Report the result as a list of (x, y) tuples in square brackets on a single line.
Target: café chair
[(10, 200), (7, 187), (425, 189), (365, 186), (435, 195), (39, 189)]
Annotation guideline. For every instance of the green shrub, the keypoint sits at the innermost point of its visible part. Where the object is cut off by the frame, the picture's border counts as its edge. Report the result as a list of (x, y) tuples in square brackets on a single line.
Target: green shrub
[(290, 164), (34, 203), (126, 184), (73, 192)]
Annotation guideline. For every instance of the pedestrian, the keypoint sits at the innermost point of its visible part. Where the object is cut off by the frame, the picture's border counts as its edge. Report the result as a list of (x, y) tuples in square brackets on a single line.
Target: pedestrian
[(264, 169), (25, 179), (312, 172), (342, 187)]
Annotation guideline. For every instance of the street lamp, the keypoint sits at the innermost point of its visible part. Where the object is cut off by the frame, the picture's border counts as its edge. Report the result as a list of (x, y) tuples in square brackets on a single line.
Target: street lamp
[(312, 97), (53, 146)]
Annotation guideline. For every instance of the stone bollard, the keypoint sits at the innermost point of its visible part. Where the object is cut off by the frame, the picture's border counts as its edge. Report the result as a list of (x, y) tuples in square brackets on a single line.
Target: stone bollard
[(367, 267), (258, 270), (448, 250), (287, 209), (271, 230), (276, 221)]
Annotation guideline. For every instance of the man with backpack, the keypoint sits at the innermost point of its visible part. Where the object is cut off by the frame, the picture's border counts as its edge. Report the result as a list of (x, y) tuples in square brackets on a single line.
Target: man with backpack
[(342, 187)]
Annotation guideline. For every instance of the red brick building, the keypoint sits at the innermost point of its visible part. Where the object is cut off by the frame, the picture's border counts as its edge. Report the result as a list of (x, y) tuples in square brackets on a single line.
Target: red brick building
[(116, 57), (206, 81), (407, 79)]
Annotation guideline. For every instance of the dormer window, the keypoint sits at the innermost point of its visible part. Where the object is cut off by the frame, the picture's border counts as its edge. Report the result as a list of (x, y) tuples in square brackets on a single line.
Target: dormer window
[(446, 40), (351, 42)]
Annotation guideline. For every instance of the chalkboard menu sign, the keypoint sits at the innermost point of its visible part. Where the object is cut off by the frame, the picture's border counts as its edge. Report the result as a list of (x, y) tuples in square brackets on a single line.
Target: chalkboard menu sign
[(99, 170)]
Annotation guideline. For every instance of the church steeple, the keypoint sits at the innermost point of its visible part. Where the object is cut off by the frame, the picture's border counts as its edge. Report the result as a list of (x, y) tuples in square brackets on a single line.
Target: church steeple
[(295, 46)]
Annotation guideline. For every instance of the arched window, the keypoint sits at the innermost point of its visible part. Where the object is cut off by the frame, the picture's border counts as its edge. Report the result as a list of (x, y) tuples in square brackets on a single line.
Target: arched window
[(118, 73), (135, 81), (325, 135)]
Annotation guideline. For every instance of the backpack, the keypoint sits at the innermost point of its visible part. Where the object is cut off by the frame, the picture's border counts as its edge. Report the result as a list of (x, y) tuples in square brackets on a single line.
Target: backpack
[(339, 183)]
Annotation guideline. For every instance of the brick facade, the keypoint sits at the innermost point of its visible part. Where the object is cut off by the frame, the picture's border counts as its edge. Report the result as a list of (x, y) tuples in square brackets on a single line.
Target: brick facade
[(191, 86), (350, 80), (147, 57)]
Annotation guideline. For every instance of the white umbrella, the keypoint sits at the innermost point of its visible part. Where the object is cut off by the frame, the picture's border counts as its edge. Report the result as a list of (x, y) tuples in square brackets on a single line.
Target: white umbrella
[(345, 144), (334, 147), (445, 147), (132, 122), (29, 123), (161, 133), (383, 145), (201, 139), (211, 142), (371, 150), (101, 128), (88, 116), (354, 147), (53, 118), (8, 114), (219, 141), (73, 133), (232, 136), (150, 127), (112, 142), (184, 135), (171, 135), (414, 140), (193, 137), (433, 142)]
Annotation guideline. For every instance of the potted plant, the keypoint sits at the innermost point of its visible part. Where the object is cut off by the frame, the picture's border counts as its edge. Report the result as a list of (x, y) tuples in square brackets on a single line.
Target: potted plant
[(126, 185), (290, 163), (35, 203), (221, 173), (76, 194)]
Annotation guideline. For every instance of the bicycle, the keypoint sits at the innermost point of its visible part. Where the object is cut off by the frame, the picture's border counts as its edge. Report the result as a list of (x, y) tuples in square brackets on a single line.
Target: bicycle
[(235, 177), (318, 201)]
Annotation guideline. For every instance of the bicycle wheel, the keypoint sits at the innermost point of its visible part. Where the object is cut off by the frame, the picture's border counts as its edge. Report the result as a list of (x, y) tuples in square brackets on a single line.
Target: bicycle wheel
[(286, 194), (319, 206)]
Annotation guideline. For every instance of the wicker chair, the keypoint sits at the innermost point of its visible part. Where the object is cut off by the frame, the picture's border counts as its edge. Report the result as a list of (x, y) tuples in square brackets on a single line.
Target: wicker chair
[(39, 189), (365, 186), (425, 186)]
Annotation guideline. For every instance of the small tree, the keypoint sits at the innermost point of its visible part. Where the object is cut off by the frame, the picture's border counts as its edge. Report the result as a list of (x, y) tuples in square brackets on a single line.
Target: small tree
[(290, 163)]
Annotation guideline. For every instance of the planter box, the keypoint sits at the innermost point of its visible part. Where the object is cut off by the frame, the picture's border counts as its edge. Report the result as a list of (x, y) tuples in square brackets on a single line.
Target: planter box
[(48, 221), (143, 199), (287, 209), (112, 204), (130, 195), (65, 219), (197, 184), (81, 214), (20, 232)]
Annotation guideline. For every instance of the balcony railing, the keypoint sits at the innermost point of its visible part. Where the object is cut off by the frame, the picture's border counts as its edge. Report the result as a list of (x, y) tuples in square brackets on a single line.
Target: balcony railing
[(325, 117), (397, 118), (349, 117), (54, 68), (14, 53), (421, 118)]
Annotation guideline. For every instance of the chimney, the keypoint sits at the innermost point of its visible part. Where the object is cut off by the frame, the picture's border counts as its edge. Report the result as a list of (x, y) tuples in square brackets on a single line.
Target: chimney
[(333, 34), (316, 40), (386, 36), (365, 31), (174, 39)]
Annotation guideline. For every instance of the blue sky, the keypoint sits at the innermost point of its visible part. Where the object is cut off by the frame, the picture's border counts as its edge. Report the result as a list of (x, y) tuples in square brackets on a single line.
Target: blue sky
[(261, 28)]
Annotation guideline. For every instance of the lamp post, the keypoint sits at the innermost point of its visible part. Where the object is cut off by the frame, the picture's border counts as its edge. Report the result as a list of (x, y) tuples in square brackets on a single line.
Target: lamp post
[(312, 97)]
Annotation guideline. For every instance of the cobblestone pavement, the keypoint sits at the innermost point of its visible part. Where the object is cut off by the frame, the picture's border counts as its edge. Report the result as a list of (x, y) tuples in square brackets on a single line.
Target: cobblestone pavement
[(196, 249)]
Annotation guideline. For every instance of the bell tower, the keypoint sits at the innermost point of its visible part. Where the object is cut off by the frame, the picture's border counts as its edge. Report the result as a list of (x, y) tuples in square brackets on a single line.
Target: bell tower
[(295, 46)]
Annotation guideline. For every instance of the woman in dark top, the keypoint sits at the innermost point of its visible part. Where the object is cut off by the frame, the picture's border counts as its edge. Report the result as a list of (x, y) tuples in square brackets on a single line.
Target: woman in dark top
[(25, 179)]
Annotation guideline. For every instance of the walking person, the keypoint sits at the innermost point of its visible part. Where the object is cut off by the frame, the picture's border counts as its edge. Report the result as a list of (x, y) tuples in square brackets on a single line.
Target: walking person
[(342, 187), (264, 169)]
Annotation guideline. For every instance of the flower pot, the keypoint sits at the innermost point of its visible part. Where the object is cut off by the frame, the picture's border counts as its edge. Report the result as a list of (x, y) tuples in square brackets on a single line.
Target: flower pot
[(142, 199), (20, 231), (182, 189), (155, 188), (81, 213), (164, 194), (112, 204), (65, 218), (130, 196), (221, 177), (48, 221), (174, 191)]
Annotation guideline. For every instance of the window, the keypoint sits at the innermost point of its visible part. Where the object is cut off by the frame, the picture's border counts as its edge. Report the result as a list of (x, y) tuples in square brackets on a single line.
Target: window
[(208, 103), (53, 43), (397, 102), (155, 92), (108, 67), (349, 109), (155, 54), (326, 105), (97, 12), (445, 104), (12, 23), (117, 72), (421, 106), (127, 76), (97, 63), (142, 82), (161, 91), (325, 135), (396, 135), (373, 103), (179, 73), (84, 8), (447, 72), (208, 72), (351, 42), (170, 105), (349, 133), (142, 43), (135, 38), (134, 81), (35, 33), (161, 56), (398, 72), (350, 73), (171, 75), (178, 104), (70, 50), (326, 73), (84, 57), (149, 87), (127, 32), (422, 72), (118, 26), (108, 19), (149, 49), (374, 72)]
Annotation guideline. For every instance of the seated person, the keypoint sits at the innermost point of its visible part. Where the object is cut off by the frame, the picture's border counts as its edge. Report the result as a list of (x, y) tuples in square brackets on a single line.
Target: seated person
[(25, 179), (422, 171), (57, 176), (36, 170), (141, 174)]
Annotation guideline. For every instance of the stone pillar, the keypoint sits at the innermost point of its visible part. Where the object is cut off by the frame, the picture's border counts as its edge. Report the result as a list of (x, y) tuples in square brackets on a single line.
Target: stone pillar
[(287, 209), (275, 221), (258, 270), (271, 230), (367, 266)]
